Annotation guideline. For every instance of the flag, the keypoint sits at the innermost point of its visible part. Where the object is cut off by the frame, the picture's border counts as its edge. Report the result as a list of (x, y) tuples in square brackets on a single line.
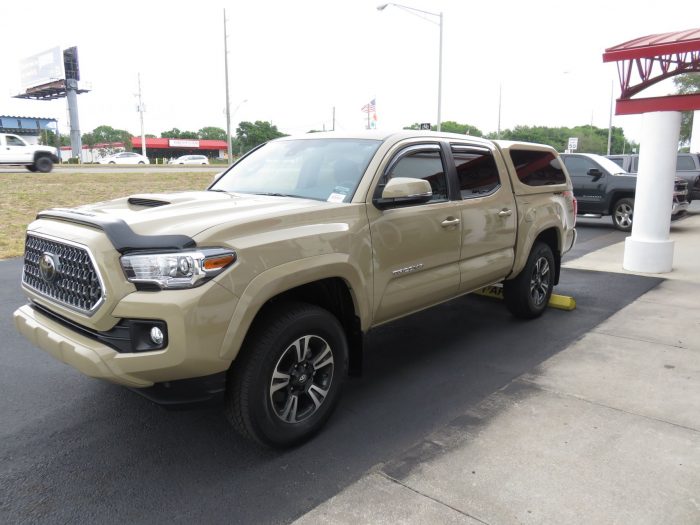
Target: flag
[(370, 108)]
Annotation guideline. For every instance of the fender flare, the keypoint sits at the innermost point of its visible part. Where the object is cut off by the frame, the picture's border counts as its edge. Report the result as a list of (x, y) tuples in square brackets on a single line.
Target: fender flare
[(284, 277)]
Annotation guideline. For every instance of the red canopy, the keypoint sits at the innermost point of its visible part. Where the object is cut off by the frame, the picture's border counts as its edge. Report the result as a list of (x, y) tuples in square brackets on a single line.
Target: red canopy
[(649, 60)]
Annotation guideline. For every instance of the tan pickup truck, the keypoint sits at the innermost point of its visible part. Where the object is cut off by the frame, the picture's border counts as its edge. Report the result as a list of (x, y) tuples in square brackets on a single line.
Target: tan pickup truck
[(261, 288)]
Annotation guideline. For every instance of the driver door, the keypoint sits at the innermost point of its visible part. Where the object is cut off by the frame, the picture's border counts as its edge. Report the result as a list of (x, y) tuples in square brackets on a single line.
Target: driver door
[(416, 248)]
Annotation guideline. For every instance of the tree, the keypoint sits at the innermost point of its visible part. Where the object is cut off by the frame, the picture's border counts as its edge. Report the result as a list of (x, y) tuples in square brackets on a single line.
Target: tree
[(686, 84), (450, 126), (249, 134), (211, 133), (175, 133), (107, 134), (48, 138)]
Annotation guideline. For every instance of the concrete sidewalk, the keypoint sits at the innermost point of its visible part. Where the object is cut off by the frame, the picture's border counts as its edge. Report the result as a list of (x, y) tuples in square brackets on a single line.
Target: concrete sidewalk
[(606, 431)]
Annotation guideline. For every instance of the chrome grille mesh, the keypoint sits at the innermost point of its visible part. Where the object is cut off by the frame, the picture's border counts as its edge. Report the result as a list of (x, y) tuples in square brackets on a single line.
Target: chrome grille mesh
[(76, 283)]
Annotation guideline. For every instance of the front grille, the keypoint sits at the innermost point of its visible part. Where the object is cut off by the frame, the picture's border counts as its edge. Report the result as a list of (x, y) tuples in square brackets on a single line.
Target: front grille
[(74, 283)]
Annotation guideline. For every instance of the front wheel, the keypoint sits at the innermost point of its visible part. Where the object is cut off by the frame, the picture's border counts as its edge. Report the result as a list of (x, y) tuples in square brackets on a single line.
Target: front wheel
[(527, 295), (287, 379), (43, 164), (622, 213)]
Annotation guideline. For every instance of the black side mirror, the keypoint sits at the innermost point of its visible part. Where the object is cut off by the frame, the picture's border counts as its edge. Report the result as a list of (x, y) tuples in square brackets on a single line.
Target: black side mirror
[(595, 173)]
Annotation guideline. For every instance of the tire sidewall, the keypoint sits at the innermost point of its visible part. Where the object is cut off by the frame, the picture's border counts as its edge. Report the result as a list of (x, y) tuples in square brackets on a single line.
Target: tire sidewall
[(541, 250), (43, 164), (263, 419), (625, 200)]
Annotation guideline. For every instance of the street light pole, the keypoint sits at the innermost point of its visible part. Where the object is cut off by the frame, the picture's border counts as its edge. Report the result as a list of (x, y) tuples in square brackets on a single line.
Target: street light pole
[(439, 16), (229, 148)]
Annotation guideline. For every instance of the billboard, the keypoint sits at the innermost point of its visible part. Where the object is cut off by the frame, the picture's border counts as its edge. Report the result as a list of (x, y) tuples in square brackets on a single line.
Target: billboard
[(42, 68)]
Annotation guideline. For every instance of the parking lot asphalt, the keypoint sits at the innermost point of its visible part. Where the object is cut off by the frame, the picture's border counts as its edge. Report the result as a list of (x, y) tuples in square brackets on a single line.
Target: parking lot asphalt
[(605, 431), (438, 393)]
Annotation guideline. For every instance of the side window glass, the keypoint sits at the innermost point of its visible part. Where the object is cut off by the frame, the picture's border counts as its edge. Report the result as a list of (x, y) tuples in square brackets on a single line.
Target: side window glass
[(635, 165), (684, 163), (618, 160), (425, 165), (477, 172), (537, 168), (577, 166), (14, 141)]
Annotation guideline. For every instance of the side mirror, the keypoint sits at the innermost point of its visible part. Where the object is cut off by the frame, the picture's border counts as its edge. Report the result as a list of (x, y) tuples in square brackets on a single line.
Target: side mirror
[(403, 191), (595, 173)]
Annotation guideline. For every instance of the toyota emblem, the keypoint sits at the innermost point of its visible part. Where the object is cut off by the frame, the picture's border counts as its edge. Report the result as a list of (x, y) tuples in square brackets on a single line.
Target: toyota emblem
[(48, 267)]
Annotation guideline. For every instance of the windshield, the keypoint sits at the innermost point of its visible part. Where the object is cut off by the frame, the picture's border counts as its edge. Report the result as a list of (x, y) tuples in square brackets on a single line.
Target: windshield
[(320, 169)]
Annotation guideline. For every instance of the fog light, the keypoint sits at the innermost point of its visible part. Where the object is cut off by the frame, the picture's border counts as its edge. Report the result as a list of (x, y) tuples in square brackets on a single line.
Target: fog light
[(157, 336)]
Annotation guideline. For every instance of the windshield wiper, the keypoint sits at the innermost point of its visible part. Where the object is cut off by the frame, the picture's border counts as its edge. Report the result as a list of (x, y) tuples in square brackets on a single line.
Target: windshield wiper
[(275, 194)]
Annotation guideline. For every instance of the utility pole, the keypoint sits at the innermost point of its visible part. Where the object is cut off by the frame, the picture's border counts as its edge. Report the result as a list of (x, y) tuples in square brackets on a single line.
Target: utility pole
[(141, 110), (612, 83), (228, 105)]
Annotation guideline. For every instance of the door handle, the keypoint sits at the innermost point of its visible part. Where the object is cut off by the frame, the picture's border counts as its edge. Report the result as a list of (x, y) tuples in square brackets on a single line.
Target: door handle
[(450, 221), (505, 213)]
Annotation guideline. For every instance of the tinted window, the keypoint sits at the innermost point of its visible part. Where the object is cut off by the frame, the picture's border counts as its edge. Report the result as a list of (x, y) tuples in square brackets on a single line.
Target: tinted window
[(620, 161), (537, 168), (684, 163), (578, 166), (477, 171), (635, 164), (425, 165)]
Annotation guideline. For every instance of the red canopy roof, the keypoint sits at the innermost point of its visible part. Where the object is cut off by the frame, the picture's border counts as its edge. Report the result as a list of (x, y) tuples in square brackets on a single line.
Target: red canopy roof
[(200, 144), (655, 45), (649, 60)]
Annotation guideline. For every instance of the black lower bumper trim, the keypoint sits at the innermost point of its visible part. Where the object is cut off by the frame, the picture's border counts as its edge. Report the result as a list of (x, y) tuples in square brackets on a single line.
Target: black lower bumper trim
[(207, 390)]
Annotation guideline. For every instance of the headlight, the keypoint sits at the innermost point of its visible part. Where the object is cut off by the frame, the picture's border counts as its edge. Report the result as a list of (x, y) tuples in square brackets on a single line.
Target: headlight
[(179, 269)]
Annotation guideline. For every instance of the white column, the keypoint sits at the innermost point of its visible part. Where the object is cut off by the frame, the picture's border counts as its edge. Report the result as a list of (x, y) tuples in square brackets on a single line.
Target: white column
[(695, 134), (649, 249)]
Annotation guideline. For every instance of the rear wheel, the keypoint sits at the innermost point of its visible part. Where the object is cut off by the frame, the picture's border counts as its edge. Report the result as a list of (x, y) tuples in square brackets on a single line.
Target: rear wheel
[(622, 214), (31, 168), (43, 164), (287, 380), (527, 295)]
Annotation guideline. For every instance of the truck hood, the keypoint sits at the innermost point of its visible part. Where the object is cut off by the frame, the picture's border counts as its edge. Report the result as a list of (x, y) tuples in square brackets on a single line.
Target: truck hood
[(190, 213)]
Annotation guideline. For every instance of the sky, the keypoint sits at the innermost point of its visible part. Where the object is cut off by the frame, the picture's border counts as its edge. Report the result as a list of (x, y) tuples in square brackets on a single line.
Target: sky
[(292, 62)]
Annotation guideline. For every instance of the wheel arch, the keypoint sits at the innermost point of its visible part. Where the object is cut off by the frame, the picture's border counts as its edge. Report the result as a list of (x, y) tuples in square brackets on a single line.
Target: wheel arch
[(335, 286), (616, 196)]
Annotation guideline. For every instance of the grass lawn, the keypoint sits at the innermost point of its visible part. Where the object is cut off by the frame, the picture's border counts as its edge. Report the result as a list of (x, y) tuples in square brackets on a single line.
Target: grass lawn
[(23, 195)]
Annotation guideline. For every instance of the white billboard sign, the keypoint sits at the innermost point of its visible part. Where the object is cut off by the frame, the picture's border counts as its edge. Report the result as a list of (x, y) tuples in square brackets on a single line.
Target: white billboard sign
[(183, 143), (42, 68)]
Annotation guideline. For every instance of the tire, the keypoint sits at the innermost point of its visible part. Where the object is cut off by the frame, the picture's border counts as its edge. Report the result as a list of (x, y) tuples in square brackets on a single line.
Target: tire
[(277, 394), (43, 164), (31, 168), (622, 214), (111, 162), (527, 295), (141, 162)]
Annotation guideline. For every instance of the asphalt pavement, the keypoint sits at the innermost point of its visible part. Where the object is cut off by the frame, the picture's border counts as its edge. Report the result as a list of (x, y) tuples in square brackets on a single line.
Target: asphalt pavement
[(605, 431), (439, 398)]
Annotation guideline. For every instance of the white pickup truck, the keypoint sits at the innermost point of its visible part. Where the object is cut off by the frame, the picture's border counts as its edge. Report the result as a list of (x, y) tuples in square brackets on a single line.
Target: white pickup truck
[(15, 151)]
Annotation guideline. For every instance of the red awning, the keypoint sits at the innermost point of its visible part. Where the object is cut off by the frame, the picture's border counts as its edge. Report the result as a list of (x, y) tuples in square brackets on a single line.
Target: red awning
[(190, 144), (645, 61)]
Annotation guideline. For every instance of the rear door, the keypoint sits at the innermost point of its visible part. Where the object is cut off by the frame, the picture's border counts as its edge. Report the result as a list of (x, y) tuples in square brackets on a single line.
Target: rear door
[(489, 215)]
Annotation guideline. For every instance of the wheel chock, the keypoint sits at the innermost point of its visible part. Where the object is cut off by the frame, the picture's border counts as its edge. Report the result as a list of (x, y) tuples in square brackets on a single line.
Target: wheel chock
[(561, 302)]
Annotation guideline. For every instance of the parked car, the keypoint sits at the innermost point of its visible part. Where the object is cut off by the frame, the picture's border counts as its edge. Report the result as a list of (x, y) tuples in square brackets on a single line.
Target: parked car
[(125, 157), (687, 168), (602, 187), (259, 291), (190, 159)]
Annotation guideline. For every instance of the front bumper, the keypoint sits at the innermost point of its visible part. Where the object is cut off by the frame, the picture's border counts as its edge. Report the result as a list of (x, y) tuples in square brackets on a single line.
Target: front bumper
[(82, 353), (679, 207), (197, 321)]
